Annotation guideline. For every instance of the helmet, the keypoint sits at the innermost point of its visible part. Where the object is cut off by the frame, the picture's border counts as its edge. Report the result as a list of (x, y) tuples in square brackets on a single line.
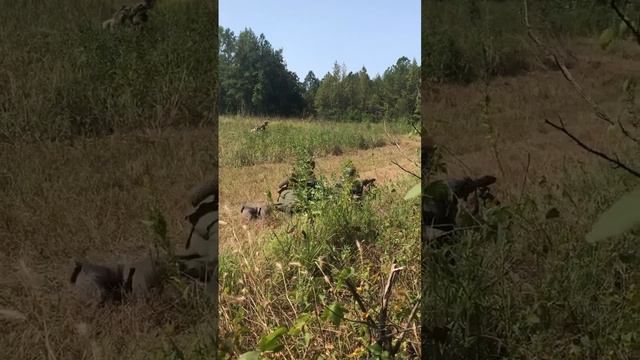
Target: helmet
[(349, 171)]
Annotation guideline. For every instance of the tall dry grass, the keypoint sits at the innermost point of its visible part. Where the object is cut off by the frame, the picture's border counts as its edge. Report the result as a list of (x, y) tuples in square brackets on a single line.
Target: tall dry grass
[(97, 130), (63, 76), (88, 201), (525, 283)]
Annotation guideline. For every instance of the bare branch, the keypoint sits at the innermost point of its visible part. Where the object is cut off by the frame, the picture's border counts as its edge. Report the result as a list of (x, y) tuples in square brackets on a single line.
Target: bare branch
[(458, 159), (360, 302), (526, 175), (416, 129), (629, 24), (600, 154), (387, 289), (413, 313), (596, 108), (383, 331), (403, 169)]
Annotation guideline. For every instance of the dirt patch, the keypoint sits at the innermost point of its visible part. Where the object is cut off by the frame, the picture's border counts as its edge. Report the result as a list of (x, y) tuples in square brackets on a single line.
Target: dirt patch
[(250, 184)]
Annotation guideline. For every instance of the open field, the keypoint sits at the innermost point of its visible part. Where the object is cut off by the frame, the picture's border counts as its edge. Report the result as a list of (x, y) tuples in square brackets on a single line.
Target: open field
[(518, 107), (536, 288), (62, 75), (99, 129), (240, 147), (60, 202), (267, 266)]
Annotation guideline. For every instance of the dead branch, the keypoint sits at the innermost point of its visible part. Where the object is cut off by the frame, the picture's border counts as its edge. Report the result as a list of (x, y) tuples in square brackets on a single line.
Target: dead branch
[(596, 108), (383, 332), (627, 134), (526, 175), (360, 302), (458, 159), (413, 313), (416, 129), (634, 30), (600, 154), (405, 170)]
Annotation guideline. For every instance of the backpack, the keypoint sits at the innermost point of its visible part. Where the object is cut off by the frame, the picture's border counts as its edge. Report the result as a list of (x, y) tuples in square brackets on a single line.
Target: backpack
[(198, 260)]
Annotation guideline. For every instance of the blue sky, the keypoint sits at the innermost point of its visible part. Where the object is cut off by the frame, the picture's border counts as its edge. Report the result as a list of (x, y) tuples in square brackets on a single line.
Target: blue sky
[(315, 34)]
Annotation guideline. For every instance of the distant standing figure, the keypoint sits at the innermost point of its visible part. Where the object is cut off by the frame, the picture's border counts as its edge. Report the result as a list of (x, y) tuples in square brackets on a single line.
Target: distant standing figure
[(127, 15), (261, 127)]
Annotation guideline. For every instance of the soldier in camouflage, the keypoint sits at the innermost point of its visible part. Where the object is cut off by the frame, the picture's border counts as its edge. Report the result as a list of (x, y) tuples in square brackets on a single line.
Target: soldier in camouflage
[(442, 212), (198, 260)]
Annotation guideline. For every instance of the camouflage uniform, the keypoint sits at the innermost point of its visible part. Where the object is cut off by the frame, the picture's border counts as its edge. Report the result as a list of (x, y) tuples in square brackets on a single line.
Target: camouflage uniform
[(358, 186), (198, 259), (442, 211), (287, 195), (127, 15)]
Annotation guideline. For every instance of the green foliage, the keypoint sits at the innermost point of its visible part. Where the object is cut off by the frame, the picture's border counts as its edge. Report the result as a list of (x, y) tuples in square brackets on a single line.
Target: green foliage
[(251, 355), (282, 139), (271, 341), (255, 81), (334, 313), (393, 95), (582, 18), (459, 37), (621, 217), (437, 190), (414, 191), (607, 37), (377, 351), (158, 226), (618, 29), (299, 324), (522, 284), (338, 240)]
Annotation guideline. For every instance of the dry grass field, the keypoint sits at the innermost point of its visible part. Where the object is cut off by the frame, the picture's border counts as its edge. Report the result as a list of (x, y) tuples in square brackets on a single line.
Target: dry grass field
[(88, 200), (266, 269), (534, 288), (249, 184), (98, 130), (518, 107)]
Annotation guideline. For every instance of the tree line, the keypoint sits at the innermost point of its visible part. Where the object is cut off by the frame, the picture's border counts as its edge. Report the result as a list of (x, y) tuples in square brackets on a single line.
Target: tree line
[(254, 80)]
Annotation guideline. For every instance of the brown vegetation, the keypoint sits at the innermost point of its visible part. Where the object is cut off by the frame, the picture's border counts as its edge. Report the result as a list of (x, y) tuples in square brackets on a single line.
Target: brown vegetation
[(87, 199)]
